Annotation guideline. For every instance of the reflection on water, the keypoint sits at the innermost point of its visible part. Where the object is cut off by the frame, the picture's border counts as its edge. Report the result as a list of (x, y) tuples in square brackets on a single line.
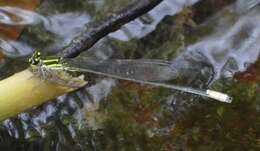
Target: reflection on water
[(147, 23), (58, 25), (230, 49), (134, 117), (244, 6), (18, 16)]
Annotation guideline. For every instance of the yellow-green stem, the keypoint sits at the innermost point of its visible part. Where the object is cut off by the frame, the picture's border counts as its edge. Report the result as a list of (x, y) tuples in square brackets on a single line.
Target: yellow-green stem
[(23, 91)]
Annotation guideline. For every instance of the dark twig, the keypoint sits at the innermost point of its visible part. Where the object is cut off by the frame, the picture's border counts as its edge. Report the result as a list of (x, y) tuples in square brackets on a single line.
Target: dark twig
[(88, 39)]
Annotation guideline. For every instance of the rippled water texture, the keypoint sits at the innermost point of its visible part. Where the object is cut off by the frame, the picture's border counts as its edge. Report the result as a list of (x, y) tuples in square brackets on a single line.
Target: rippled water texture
[(210, 43), (232, 47), (59, 25)]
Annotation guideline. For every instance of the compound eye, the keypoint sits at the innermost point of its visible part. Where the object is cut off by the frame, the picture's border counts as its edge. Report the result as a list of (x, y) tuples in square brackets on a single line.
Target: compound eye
[(38, 54), (36, 61)]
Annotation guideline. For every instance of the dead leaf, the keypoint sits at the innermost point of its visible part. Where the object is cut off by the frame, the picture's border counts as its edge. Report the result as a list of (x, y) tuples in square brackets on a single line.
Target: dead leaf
[(8, 32), (251, 75), (13, 32)]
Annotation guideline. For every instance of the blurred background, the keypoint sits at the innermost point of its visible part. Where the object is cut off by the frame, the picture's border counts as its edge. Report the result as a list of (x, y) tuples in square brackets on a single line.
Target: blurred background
[(210, 44)]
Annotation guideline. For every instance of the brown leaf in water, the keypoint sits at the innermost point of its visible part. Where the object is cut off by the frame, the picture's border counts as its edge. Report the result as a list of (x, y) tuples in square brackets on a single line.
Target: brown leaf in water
[(13, 32), (25, 4), (144, 116), (2, 58), (8, 32), (251, 75)]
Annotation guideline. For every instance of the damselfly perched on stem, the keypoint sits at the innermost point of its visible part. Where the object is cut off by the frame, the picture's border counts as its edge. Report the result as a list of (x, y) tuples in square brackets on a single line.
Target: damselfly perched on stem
[(144, 71)]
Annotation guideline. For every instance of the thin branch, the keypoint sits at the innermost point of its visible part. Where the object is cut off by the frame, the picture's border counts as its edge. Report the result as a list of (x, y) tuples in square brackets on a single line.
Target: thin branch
[(87, 39)]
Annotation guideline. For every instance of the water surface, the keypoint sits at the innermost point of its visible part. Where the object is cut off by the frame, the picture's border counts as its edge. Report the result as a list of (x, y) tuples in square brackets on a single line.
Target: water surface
[(211, 44)]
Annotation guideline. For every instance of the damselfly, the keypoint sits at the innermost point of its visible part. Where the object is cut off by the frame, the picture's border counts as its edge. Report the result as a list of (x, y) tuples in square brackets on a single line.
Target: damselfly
[(144, 71), (54, 70)]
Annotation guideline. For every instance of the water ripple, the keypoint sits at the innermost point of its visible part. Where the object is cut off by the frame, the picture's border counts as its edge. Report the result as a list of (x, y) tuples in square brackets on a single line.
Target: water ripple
[(141, 26), (17, 16), (64, 26), (232, 48)]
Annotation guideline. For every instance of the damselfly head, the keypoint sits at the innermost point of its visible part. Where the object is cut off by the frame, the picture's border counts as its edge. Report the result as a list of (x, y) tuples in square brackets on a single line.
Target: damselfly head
[(35, 58)]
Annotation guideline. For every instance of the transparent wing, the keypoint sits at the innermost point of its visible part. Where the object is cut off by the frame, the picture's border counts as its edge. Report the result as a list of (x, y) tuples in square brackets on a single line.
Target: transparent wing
[(143, 71), (140, 69)]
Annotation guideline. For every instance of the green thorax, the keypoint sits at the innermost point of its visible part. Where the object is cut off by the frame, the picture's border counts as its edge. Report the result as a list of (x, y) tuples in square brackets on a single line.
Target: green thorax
[(51, 62)]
